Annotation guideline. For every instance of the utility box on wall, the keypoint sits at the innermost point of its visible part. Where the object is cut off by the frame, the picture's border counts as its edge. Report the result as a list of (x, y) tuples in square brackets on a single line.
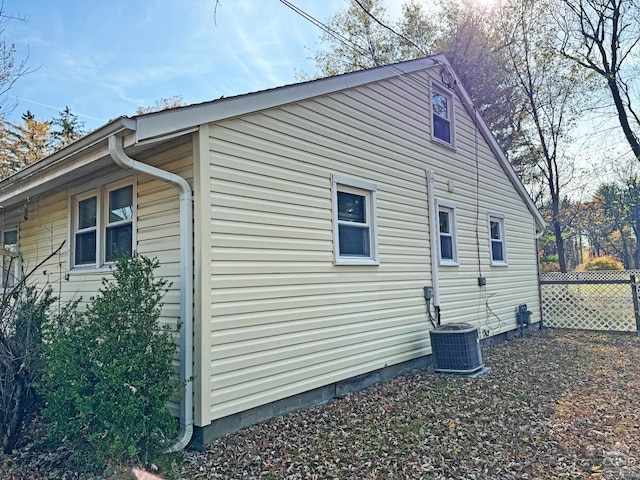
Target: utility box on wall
[(456, 348), (524, 315)]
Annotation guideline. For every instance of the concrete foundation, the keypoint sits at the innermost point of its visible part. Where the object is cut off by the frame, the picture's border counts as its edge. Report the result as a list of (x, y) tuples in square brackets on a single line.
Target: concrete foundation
[(319, 396)]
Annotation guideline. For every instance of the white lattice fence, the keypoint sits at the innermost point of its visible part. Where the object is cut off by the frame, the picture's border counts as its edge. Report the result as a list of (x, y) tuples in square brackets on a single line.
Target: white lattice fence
[(600, 300)]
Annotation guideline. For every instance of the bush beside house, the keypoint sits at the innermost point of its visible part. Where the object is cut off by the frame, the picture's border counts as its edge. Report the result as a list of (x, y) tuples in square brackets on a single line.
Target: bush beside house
[(108, 375)]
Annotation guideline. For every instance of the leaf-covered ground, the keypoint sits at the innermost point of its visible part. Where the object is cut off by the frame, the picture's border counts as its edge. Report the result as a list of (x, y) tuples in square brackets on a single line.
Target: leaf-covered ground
[(557, 404)]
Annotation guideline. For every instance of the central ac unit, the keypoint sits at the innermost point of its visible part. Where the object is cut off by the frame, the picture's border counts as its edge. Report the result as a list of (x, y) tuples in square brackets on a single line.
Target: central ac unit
[(456, 348)]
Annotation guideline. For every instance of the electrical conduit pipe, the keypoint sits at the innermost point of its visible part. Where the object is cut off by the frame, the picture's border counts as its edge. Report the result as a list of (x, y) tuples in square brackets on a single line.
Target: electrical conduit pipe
[(116, 150), (433, 240)]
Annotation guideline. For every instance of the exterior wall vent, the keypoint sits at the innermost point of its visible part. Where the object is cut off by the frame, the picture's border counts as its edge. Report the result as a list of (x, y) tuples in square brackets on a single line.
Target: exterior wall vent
[(456, 348)]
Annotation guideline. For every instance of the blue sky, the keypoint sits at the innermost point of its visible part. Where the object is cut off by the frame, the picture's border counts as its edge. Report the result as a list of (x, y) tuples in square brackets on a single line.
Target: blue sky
[(105, 58)]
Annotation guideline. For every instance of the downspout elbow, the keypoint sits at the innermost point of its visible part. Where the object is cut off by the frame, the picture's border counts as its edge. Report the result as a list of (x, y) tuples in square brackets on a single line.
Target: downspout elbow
[(116, 150)]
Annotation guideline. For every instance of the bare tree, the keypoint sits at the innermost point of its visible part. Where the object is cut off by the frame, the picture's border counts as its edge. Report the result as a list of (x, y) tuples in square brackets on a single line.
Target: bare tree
[(602, 37), (551, 87), (23, 309), (10, 69)]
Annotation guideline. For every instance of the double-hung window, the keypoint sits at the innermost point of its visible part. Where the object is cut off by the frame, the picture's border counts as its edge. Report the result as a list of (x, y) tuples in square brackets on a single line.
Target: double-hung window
[(86, 236), (497, 239), (103, 226), (354, 222), (10, 259), (119, 223), (442, 116), (448, 244)]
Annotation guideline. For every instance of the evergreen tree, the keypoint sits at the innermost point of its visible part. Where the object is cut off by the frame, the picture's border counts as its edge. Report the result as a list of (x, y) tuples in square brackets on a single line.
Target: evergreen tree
[(67, 128), (26, 143)]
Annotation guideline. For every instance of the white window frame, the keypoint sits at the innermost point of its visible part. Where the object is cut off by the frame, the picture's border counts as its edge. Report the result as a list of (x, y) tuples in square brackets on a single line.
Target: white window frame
[(367, 190), (503, 239), (101, 192), (107, 224), (444, 92), (450, 208), (15, 262), (76, 226)]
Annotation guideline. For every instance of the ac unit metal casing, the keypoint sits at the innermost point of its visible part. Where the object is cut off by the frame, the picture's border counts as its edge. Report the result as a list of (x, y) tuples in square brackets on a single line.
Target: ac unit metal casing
[(456, 348)]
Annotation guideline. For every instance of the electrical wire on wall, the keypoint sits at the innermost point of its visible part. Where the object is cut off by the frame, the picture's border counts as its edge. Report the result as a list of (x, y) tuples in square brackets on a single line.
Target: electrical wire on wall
[(484, 296), (490, 313), (428, 295)]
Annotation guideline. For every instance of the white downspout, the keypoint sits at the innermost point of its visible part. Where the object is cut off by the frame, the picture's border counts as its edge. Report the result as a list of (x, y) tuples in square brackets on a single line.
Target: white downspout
[(116, 151), (433, 239)]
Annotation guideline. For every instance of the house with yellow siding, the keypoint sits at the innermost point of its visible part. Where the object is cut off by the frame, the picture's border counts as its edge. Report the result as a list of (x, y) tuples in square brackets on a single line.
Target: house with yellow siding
[(298, 226)]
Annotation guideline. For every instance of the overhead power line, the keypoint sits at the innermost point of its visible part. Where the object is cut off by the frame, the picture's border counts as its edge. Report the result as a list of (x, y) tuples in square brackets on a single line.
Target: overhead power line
[(337, 35), (397, 71), (403, 37)]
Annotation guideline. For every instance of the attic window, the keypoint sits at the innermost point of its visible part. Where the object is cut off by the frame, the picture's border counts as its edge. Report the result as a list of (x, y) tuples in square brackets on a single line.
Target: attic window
[(442, 115)]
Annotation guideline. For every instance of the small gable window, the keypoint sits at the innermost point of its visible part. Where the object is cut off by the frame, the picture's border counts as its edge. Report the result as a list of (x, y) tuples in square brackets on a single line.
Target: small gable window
[(442, 116), (497, 239), (354, 221)]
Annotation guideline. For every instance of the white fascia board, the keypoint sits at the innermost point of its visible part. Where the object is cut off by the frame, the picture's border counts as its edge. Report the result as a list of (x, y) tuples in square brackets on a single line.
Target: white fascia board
[(64, 161), (161, 123), (35, 181)]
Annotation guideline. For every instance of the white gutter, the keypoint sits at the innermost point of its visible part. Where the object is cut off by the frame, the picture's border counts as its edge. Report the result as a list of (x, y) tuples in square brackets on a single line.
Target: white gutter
[(116, 151), (433, 239)]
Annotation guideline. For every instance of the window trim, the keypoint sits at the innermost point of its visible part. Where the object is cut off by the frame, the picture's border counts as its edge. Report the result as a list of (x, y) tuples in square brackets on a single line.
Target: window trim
[(108, 224), (368, 190), (500, 219), (101, 192), (16, 262), (443, 205), (76, 226), (443, 91)]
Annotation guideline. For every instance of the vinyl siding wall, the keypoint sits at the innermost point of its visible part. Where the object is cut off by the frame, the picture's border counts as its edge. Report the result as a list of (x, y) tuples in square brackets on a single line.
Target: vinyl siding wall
[(157, 222), (284, 318)]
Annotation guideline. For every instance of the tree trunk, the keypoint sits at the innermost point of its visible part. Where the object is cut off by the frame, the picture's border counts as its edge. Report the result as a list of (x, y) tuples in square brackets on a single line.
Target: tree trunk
[(557, 232), (623, 117), (626, 258)]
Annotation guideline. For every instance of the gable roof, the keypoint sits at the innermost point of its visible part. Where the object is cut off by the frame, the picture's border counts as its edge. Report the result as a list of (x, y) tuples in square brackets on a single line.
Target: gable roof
[(159, 126)]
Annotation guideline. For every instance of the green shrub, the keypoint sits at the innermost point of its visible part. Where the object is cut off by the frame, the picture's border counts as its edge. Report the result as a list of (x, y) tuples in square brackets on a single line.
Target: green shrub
[(605, 262), (109, 376)]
